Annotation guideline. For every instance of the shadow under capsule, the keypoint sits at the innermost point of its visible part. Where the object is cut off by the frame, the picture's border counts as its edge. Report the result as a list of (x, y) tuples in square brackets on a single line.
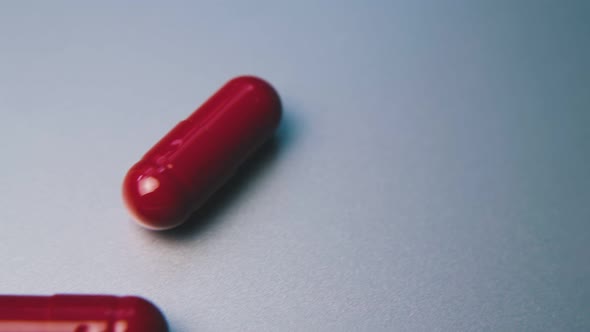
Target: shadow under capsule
[(247, 174)]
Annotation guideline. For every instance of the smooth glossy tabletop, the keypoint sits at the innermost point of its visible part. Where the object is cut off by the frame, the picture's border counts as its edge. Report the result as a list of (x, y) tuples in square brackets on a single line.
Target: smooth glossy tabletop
[(431, 171)]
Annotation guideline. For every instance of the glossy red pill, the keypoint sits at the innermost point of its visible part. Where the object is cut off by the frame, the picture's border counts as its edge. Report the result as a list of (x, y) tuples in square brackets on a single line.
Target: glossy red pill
[(79, 313), (178, 174)]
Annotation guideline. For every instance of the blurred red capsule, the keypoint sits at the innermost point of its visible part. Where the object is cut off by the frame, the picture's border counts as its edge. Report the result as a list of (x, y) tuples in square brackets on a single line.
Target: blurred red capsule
[(79, 313)]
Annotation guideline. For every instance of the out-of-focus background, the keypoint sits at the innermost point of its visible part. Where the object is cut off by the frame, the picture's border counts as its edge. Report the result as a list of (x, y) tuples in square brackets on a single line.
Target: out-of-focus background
[(432, 171)]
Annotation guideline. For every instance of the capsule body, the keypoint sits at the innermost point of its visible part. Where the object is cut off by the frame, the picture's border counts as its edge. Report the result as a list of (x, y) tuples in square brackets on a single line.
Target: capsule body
[(79, 313), (177, 175)]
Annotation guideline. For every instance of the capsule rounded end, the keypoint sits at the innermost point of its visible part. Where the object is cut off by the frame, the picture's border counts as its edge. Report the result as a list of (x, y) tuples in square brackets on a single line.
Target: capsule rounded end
[(265, 94), (155, 198), (146, 316)]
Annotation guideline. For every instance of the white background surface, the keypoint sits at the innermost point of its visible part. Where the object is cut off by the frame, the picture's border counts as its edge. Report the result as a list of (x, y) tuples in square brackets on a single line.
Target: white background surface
[(431, 172)]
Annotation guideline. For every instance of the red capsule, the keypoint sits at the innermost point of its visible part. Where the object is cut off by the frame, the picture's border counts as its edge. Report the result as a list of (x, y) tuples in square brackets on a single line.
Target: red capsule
[(178, 174), (79, 313)]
